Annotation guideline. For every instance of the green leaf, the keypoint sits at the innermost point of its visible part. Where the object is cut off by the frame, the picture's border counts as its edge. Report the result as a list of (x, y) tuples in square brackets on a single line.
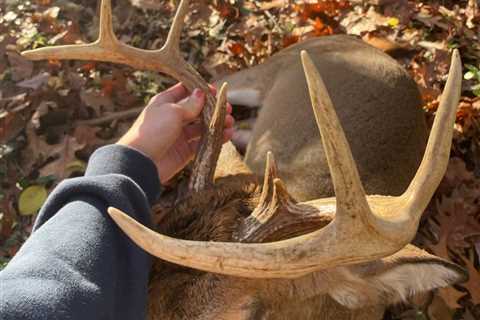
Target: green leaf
[(476, 92), (45, 180), (469, 75), (453, 45), (31, 199)]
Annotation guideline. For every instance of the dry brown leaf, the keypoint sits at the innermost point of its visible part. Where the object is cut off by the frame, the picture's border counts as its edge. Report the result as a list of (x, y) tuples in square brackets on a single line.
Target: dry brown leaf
[(65, 155), (12, 121), (35, 82), (237, 48), (289, 40), (321, 29), (87, 136), (450, 297), (148, 4), (400, 9), (358, 22), (449, 216), (473, 283), (76, 80), (381, 42), (472, 12), (96, 100), (328, 7), (226, 10), (20, 67), (268, 5), (457, 174)]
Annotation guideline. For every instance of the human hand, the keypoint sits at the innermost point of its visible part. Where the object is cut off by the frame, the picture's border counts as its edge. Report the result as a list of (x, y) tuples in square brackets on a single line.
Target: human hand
[(169, 129)]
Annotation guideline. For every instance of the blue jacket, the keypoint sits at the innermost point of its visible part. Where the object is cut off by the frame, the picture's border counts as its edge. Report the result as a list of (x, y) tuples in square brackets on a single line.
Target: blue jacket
[(78, 264)]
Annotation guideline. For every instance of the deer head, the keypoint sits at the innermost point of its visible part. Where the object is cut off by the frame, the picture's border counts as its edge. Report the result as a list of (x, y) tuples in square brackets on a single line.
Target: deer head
[(353, 247)]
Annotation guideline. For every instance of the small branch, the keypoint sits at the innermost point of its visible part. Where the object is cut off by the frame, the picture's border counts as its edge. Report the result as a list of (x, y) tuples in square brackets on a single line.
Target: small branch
[(110, 117)]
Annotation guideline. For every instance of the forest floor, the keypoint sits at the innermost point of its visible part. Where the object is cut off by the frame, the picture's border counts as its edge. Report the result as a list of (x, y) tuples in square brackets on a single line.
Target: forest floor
[(54, 114)]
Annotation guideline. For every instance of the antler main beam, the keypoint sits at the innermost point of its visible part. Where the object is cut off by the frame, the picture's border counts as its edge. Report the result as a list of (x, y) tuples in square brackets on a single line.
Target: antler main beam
[(168, 60)]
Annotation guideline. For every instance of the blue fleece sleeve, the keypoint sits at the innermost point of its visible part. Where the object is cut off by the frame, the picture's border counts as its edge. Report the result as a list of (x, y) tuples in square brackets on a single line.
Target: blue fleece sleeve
[(78, 264)]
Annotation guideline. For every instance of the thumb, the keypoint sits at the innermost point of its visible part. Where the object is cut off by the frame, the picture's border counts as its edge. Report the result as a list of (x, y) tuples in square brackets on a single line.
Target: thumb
[(192, 105)]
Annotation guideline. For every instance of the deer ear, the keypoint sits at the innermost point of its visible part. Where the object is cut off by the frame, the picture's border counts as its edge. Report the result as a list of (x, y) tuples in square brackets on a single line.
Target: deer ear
[(395, 278)]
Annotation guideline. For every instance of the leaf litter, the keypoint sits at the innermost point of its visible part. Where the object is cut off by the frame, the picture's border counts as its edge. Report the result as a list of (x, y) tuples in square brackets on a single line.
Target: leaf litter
[(54, 114)]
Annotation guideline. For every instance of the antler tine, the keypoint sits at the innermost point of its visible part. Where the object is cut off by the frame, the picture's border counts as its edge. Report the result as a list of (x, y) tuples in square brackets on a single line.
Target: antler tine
[(173, 39), (435, 160), (269, 177), (106, 35), (208, 153), (268, 188), (351, 198), (100, 50)]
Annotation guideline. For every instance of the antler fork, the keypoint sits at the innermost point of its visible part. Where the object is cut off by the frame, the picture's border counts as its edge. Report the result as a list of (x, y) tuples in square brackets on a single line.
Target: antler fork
[(167, 60)]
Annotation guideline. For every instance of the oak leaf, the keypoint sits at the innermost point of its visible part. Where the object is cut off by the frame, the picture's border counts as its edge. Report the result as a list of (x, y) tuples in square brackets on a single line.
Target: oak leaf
[(451, 296)]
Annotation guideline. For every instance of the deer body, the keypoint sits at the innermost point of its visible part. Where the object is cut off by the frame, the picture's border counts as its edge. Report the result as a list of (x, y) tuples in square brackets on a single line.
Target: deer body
[(379, 107), (377, 103), (236, 248)]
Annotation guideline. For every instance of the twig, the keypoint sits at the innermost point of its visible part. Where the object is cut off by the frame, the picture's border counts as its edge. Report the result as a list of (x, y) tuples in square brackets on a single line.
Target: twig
[(110, 117)]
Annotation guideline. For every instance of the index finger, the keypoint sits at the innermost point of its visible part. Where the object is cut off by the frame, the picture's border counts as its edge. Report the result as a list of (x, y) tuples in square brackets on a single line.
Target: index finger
[(171, 95)]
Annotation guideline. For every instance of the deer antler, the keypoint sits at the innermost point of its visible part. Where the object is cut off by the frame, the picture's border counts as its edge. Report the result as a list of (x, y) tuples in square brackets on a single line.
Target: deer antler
[(167, 60), (365, 227)]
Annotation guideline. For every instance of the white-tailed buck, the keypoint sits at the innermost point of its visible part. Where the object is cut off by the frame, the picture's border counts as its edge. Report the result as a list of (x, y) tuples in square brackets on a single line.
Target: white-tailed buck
[(234, 248)]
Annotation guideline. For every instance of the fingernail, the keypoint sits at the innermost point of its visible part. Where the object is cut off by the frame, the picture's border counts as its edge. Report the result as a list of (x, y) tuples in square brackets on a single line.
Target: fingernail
[(197, 93)]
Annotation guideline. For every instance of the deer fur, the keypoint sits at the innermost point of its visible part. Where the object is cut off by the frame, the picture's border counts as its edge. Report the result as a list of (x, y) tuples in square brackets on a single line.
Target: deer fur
[(386, 129), (378, 105)]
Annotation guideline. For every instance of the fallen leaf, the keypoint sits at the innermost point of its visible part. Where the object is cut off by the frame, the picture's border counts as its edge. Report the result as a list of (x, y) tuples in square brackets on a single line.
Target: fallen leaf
[(289, 40), (237, 48), (275, 4), (43, 2), (382, 43), (96, 100), (393, 22), (444, 304), (226, 10), (472, 12), (358, 22), (75, 80), (31, 199), (12, 121), (328, 7), (321, 29), (78, 166), (64, 157), (35, 82), (21, 67), (148, 4), (87, 136), (473, 283)]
